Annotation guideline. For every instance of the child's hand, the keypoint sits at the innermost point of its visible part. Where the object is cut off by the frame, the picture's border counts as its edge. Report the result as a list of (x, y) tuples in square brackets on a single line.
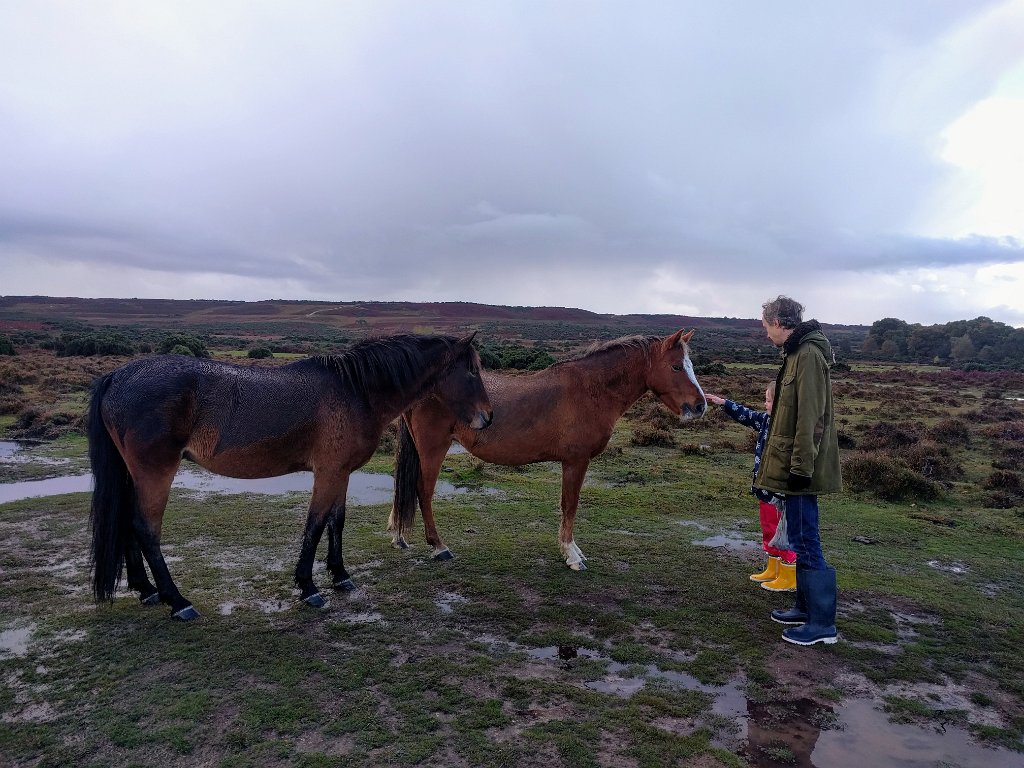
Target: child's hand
[(715, 399)]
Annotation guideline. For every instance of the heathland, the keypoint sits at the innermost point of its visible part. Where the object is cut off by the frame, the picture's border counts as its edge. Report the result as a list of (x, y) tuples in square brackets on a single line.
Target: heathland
[(660, 653)]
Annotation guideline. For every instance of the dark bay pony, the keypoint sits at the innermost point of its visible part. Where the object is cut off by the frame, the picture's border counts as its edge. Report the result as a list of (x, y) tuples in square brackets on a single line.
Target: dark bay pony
[(565, 413), (323, 414)]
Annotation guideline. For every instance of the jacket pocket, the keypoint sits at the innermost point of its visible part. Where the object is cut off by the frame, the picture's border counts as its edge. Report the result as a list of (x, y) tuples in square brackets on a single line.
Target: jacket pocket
[(778, 459)]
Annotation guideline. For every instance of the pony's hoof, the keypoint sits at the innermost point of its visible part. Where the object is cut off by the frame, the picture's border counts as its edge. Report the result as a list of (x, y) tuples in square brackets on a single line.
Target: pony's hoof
[(400, 543), (316, 600), (188, 613), (153, 599), (345, 585), (444, 554), (580, 566)]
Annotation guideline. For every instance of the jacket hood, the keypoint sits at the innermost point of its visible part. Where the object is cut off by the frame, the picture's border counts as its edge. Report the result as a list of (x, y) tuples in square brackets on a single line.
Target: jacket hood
[(809, 332)]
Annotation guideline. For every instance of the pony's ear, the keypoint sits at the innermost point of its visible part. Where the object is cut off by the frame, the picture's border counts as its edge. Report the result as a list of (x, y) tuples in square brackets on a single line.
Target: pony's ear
[(685, 338), (670, 342), (466, 341)]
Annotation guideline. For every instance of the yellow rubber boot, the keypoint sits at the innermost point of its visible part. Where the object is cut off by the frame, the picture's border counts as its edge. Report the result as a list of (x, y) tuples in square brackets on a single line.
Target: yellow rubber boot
[(785, 581), (771, 570)]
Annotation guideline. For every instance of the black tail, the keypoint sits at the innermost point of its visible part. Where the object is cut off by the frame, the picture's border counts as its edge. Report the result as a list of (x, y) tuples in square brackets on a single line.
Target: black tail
[(407, 477), (113, 499)]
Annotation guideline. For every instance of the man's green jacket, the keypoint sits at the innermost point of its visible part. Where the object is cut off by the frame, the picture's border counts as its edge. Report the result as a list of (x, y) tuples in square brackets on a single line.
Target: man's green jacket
[(802, 440)]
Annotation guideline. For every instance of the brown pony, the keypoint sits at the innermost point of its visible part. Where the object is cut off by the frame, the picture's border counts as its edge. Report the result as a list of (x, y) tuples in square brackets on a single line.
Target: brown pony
[(323, 414), (565, 413)]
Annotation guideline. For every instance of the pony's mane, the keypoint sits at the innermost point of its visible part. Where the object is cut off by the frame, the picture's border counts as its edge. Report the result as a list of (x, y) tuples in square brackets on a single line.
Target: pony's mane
[(388, 363), (599, 348)]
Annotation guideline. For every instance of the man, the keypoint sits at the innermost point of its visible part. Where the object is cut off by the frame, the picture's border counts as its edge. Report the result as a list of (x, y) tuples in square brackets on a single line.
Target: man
[(801, 461)]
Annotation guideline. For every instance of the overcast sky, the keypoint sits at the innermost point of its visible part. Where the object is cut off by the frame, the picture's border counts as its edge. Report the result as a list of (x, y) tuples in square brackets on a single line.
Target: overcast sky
[(697, 157)]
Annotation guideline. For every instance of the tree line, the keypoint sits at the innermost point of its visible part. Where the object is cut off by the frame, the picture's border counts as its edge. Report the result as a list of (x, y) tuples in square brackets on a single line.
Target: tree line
[(978, 344)]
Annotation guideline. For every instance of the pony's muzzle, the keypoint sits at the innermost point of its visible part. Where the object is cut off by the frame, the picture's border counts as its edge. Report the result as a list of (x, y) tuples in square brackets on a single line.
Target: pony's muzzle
[(693, 412)]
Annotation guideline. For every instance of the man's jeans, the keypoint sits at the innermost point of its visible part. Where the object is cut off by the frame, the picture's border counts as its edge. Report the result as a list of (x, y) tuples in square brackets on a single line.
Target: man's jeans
[(802, 530)]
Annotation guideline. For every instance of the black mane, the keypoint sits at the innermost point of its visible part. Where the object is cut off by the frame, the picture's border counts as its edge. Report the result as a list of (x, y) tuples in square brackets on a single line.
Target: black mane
[(389, 363)]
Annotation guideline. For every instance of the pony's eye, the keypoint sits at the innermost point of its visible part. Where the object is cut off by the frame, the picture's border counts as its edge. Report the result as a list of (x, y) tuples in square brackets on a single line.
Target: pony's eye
[(677, 367)]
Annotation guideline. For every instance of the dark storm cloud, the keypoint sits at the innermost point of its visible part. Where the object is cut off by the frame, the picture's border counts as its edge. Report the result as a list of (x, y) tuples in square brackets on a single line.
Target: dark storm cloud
[(413, 150)]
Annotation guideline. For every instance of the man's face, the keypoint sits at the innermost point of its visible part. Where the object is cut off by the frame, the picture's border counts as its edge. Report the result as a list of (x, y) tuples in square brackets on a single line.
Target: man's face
[(776, 333)]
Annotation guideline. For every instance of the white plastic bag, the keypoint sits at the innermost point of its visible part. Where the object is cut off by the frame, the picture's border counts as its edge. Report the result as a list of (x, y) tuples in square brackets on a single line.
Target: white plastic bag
[(781, 538)]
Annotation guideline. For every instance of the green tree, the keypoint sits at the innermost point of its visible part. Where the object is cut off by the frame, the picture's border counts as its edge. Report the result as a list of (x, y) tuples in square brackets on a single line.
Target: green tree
[(7, 346), (962, 349), (195, 345), (928, 342)]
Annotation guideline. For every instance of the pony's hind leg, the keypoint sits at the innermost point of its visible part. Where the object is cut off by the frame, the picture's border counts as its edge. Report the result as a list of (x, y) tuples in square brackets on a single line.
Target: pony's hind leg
[(137, 579), (572, 481), (431, 460), (152, 492)]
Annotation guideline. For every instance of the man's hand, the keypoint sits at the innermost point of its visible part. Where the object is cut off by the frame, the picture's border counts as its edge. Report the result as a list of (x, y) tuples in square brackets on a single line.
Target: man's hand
[(798, 482)]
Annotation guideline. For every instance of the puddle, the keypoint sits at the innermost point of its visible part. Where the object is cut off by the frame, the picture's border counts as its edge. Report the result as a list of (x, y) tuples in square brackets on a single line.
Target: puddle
[(867, 738), (730, 540), (951, 567), (801, 733), (364, 487), (621, 679), (14, 642), (362, 618), (447, 601), (14, 453)]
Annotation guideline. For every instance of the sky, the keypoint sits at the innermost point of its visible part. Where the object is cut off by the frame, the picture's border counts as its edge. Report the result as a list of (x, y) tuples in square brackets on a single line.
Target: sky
[(685, 157)]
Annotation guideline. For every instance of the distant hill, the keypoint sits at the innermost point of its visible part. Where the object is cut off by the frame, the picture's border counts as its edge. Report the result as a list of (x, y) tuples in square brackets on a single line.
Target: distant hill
[(16, 311), (317, 325)]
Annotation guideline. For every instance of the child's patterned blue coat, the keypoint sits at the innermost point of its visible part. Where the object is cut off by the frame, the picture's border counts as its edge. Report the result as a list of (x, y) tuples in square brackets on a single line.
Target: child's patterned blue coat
[(759, 420)]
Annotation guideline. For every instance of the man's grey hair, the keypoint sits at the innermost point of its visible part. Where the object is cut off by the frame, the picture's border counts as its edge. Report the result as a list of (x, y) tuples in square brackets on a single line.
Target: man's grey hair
[(788, 312)]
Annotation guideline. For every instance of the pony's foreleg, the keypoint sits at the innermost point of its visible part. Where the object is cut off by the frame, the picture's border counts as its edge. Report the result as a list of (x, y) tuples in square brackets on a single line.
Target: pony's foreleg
[(572, 481), (335, 561), (327, 505)]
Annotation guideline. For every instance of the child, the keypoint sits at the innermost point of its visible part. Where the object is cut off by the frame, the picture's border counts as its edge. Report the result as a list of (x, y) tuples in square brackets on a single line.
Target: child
[(779, 574)]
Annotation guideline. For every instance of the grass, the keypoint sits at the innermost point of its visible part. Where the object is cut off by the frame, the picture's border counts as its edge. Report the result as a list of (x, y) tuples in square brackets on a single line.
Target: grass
[(430, 663)]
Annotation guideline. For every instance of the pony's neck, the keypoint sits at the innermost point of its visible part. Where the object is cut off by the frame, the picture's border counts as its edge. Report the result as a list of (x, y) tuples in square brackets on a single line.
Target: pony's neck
[(620, 373), (390, 404)]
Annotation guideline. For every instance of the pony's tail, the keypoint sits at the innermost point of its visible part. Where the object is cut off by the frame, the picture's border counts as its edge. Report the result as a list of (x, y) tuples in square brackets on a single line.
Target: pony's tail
[(113, 499), (407, 477)]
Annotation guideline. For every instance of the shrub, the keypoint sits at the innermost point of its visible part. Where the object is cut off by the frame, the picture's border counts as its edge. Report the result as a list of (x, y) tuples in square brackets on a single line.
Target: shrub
[(89, 344), (711, 369), (259, 353), (1010, 430), (7, 346), (1000, 480), (932, 461), (888, 478), (646, 434), (195, 345), (36, 424), (952, 431), (845, 441), (181, 349), (888, 434)]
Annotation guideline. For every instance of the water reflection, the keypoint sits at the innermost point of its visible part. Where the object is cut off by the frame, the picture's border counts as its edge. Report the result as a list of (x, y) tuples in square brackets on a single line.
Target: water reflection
[(802, 733), (364, 487)]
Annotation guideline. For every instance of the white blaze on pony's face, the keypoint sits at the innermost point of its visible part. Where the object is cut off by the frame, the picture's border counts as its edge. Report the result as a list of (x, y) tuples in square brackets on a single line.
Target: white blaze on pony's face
[(688, 367), (674, 381)]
